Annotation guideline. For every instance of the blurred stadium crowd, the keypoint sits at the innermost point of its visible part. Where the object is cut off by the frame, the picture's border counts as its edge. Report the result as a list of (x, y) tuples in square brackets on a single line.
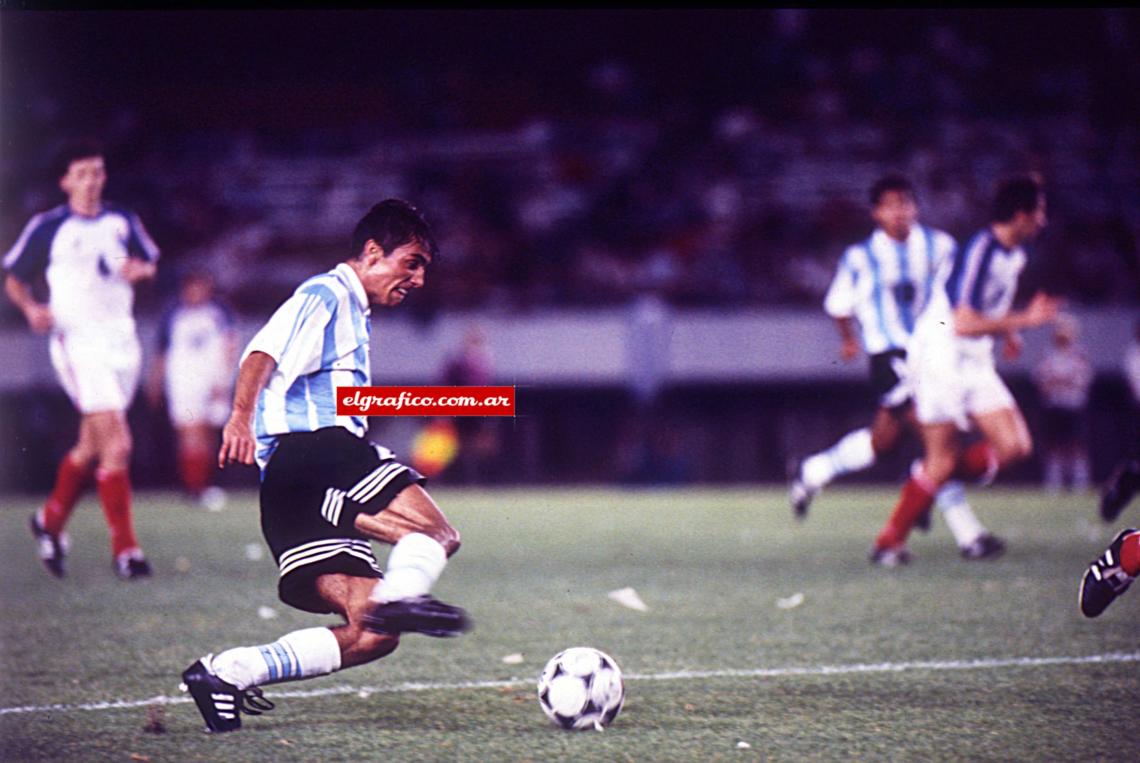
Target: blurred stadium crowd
[(588, 177)]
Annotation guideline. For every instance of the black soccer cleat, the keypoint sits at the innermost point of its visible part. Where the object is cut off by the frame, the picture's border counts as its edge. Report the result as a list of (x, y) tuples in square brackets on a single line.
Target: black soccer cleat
[(1104, 579), (220, 702), (52, 548), (923, 522), (985, 546), (1122, 485), (419, 614), (799, 494), (129, 567)]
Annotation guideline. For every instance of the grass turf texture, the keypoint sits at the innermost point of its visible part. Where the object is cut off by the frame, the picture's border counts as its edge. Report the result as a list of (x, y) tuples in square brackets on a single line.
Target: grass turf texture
[(534, 572)]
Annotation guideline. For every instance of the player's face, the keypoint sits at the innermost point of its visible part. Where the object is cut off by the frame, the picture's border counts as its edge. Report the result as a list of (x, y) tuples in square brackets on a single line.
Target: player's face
[(896, 213), (1029, 224), (389, 278), (83, 183)]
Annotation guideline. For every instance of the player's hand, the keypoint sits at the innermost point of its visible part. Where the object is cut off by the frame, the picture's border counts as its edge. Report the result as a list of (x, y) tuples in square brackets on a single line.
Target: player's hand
[(135, 270), (39, 317), (849, 350), (1042, 309), (237, 443), (1011, 348)]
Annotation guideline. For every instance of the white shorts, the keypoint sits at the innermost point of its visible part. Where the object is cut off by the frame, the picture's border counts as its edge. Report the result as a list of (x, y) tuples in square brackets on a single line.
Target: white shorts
[(98, 369), (193, 400), (950, 385)]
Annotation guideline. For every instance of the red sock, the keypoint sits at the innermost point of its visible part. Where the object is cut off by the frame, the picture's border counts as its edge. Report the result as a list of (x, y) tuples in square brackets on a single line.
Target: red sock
[(1130, 554), (70, 479), (916, 498), (115, 492), (978, 462), (195, 467)]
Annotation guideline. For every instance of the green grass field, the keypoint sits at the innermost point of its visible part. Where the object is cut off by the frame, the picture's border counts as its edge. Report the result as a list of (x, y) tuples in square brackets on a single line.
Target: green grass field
[(942, 660)]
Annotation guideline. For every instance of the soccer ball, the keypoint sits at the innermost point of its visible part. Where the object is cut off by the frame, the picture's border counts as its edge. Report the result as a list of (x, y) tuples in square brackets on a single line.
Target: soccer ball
[(581, 688)]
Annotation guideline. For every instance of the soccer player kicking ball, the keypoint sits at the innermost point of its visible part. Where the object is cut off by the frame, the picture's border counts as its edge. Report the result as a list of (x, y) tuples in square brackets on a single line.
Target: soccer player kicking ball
[(326, 491), (92, 254), (951, 361)]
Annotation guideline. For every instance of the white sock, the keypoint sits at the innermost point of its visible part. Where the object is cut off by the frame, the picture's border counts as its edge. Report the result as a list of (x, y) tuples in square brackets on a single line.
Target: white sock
[(300, 654), (964, 526), (852, 453), (414, 564)]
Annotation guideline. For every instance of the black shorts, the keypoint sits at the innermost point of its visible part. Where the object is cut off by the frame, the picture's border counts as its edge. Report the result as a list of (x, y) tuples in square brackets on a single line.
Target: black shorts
[(889, 386), (314, 486)]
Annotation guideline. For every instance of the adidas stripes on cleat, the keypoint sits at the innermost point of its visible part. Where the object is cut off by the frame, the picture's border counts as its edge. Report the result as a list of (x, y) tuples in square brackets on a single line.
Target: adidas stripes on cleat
[(1104, 579), (221, 703)]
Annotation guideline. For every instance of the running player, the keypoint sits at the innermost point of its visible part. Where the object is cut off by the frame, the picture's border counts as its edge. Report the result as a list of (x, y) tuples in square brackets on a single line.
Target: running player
[(884, 283), (952, 365), (194, 368), (92, 254), (326, 491)]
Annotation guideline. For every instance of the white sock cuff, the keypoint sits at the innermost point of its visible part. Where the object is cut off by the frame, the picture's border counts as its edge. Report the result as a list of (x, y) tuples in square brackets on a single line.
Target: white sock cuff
[(316, 649)]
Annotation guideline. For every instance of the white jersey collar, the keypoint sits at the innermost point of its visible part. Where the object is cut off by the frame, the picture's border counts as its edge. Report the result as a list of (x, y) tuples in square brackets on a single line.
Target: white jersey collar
[(355, 285)]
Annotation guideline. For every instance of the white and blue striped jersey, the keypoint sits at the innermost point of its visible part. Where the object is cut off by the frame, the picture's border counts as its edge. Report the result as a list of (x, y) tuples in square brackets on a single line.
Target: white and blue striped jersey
[(82, 259), (319, 339), (885, 284), (983, 275)]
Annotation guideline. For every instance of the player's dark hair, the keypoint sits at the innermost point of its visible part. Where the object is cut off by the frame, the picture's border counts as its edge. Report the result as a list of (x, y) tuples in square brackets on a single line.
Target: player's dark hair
[(891, 182), (391, 224), (73, 151), (1015, 194)]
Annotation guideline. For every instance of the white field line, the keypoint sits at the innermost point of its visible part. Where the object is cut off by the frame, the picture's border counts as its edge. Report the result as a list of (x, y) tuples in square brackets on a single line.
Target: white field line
[(680, 675)]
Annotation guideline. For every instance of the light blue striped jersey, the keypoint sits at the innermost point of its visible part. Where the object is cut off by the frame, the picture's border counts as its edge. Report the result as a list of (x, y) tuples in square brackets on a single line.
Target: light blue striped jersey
[(319, 338), (885, 284)]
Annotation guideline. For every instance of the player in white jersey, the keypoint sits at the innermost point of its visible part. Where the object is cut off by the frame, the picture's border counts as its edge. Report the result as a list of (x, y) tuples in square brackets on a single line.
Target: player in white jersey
[(956, 386), (92, 253), (1063, 378), (884, 282), (194, 369), (326, 491)]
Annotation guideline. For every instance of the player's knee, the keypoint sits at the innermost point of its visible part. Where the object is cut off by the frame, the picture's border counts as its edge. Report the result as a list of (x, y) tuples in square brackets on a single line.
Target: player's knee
[(883, 440), (448, 537), (1014, 449), (1022, 449), (116, 451)]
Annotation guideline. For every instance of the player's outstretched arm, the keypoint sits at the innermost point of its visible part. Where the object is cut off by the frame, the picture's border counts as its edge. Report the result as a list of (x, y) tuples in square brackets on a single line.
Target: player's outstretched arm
[(38, 314), (237, 436), (135, 270), (1040, 310)]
